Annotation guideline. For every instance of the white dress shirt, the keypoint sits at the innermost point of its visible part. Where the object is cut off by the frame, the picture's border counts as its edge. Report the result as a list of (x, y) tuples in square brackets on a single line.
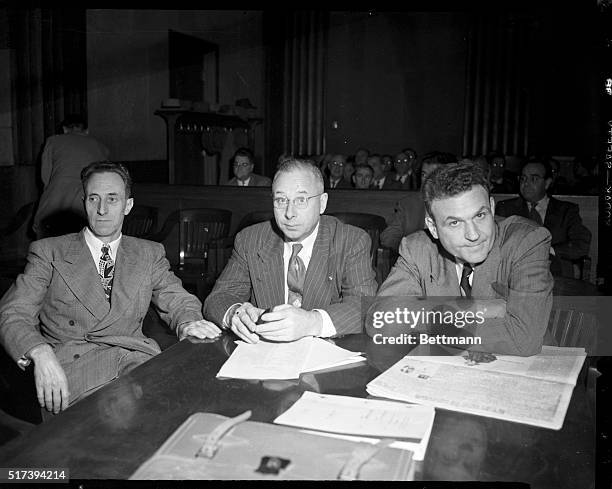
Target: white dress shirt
[(95, 247), (243, 183)]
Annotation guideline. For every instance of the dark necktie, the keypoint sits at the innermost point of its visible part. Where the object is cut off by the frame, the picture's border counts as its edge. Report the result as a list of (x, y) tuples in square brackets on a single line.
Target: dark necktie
[(296, 273), (465, 279), (106, 270), (534, 215)]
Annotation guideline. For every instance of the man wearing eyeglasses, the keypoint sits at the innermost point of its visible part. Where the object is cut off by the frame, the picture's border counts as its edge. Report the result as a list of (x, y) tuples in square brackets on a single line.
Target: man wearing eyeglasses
[(243, 171), (570, 238), (406, 176), (302, 274), (336, 173)]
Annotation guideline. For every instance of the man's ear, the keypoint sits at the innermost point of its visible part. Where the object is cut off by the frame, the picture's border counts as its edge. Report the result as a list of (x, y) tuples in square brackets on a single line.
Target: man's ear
[(323, 202), (129, 203), (431, 225), (547, 183), (492, 204)]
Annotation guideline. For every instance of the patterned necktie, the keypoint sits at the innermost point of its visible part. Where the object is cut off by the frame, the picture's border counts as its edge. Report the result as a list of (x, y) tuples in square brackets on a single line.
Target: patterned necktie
[(106, 270), (534, 215), (296, 273), (465, 279)]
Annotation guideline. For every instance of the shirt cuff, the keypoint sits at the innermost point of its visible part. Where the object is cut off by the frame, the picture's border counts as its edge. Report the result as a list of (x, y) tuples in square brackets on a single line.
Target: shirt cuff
[(227, 317), (328, 330), (23, 362)]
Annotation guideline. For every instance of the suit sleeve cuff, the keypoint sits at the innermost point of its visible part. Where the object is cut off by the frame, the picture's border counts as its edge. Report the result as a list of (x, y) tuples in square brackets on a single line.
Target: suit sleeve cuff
[(328, 330)]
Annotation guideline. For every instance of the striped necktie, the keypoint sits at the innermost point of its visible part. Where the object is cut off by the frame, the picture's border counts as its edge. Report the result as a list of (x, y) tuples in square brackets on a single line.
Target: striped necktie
[(296, 273)]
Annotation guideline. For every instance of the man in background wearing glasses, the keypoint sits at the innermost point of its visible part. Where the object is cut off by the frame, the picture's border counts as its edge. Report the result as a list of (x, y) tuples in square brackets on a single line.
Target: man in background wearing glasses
[(302, 274), (243, 163), (570, 238)]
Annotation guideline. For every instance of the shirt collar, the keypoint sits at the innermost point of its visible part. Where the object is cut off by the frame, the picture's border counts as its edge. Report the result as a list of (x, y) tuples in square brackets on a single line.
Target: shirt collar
[(307, 243), (95, 244)]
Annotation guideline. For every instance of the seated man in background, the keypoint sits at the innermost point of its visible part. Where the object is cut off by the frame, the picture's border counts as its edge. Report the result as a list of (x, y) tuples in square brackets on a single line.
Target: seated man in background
[(362, 177), (380, 179), (501, 180), (502, 266), (243, 163), (336, 173), (406, 172), (77, 310), (301, 275), (570, 238), (409, 213)]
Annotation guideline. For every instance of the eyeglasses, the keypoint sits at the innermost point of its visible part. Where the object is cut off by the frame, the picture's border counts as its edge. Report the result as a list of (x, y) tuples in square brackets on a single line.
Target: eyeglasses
[(300, 202), (530, 178), (337, 163), (241, 165)]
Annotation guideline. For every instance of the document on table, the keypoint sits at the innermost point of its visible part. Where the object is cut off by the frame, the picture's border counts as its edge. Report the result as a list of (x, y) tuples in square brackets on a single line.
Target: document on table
[(333, 415), (268, 360), (531, 390)]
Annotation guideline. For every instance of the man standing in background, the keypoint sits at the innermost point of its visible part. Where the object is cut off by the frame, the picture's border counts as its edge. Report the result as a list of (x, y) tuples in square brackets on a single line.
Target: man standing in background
[(60, 209)]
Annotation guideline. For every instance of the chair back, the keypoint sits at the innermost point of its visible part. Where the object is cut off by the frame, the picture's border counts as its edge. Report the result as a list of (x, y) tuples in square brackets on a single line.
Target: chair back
[(198, 228), (574, 328), (141, 222), (373, 224), (254, 218)]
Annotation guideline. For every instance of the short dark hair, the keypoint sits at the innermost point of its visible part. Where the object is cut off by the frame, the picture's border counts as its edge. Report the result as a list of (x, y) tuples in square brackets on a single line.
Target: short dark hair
[(450, 180), (244, 152), (366, 166), (290, 164), (75, 121), (539, 161), (107, 167)]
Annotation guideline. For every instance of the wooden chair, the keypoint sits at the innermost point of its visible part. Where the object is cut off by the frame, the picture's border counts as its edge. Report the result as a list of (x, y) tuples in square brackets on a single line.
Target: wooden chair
[(201, 245), (254, 218), (574, 325), (141, 222), (373, 224)]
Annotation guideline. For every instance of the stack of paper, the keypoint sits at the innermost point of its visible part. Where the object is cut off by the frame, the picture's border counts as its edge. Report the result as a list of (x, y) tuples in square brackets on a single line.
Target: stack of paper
[(336, 416), (532, 390), (267, 360)]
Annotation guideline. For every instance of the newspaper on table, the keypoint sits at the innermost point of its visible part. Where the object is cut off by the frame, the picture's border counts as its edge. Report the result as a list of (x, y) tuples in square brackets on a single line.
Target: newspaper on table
[(532, 390)]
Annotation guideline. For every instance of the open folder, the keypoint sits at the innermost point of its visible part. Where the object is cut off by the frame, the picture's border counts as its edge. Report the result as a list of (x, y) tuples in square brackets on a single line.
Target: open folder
[(268, 360)]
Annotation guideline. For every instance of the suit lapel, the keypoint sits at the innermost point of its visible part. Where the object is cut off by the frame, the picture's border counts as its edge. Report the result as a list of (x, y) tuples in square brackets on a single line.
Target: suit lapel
[(126, 281), (270, 274), (80, 274), (443, 278), (316, 275), (552, 216), (485, 273)]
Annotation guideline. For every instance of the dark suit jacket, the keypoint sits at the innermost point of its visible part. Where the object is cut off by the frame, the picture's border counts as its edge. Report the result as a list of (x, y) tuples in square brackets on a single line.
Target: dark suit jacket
[(343, 183), (339, 273), (410, 183), (389, 183), (60, 293), (255, 181), (570, 238), (516, 271)]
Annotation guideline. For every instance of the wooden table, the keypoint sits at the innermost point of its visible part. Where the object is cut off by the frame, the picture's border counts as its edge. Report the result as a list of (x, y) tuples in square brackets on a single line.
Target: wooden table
[(110, 433)]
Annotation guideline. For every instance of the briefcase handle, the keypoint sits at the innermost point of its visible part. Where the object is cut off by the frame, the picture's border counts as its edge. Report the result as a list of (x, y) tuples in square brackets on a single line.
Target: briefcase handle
[(359, 457), (211, 442)]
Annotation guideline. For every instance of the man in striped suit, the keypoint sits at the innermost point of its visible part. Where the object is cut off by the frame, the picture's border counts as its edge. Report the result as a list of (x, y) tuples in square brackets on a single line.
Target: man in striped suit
[(302, 274)]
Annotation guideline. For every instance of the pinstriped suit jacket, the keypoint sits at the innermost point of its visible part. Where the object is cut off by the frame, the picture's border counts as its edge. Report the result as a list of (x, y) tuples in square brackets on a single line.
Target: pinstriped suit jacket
[(59, 300), (339, 273)]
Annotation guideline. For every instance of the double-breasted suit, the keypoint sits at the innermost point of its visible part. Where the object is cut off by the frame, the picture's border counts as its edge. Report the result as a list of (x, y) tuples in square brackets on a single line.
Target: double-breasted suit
[(59, 300), (339, 274)]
